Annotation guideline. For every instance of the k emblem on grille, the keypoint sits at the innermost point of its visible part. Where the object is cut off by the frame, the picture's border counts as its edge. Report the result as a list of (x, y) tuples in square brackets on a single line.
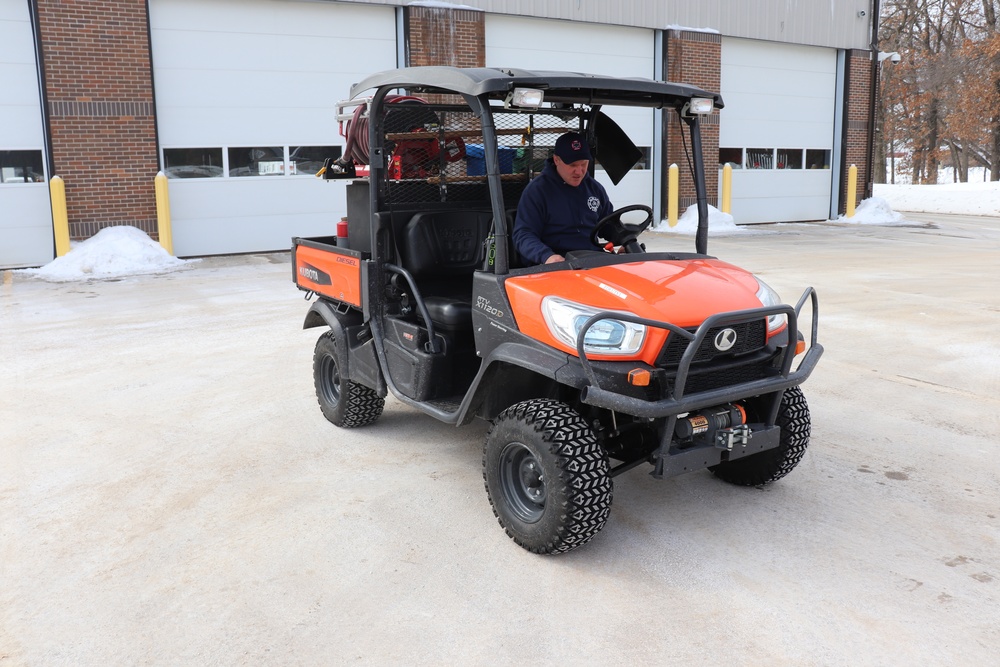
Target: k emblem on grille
[(725, 339)]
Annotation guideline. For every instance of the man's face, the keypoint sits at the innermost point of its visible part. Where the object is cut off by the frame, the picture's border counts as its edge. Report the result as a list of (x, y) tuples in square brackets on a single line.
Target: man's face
[(573, 172)]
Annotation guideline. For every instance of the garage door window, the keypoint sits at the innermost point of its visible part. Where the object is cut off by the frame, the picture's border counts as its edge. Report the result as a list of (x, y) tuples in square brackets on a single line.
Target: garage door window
[(257, 161), (192, 162), (21, 167), (307, 160), (769, 158), (817, 159)]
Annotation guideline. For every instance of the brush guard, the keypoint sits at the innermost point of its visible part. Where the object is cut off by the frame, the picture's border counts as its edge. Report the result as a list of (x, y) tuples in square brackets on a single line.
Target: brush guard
[(737, 441)]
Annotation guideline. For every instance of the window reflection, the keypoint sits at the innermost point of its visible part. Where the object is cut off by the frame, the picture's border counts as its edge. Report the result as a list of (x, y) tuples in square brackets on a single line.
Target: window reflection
[(307, 160), (21, 167), (192, 162), (257, 161)]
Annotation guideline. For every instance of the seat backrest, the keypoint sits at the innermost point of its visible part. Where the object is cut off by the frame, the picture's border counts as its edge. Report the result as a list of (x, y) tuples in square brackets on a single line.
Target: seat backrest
[(443, 242)]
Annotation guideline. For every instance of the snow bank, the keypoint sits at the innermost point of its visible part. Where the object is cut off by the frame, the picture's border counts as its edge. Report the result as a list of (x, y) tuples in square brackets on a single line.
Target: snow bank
[(957, 198), (719, 224), (874, 211), (113, 252)]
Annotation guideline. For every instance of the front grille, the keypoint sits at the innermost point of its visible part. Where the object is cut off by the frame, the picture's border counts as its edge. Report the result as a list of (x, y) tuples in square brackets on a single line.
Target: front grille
[(750, 337), (726, 377)]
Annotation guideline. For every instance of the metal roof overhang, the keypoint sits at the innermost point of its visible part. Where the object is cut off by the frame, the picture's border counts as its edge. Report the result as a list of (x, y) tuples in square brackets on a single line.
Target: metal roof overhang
[(568, 87)]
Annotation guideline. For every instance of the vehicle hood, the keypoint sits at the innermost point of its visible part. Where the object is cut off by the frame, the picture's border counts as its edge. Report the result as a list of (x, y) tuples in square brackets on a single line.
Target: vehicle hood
[(681, 292)]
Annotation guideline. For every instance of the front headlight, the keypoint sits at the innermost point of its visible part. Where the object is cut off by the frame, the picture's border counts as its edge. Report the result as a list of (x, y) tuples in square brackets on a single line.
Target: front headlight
[(768, 297), (565, 320)]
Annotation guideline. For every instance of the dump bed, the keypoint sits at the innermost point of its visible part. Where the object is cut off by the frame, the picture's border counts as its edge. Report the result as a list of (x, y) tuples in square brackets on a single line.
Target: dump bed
[(320, 266)]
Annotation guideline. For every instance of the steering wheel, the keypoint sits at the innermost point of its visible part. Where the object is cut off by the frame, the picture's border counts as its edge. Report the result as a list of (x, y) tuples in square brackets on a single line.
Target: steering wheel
[(612, 228)]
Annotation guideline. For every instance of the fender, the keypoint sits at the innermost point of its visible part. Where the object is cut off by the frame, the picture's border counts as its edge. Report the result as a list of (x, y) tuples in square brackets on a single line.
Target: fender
[(354, 358), (521, 369)]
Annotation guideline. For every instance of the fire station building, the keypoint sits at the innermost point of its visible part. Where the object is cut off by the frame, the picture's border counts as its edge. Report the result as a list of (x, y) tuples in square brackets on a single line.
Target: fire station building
[(234, 101)]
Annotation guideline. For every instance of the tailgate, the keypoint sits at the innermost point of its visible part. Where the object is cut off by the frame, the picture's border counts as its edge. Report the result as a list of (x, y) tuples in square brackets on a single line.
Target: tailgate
[(327, 270)]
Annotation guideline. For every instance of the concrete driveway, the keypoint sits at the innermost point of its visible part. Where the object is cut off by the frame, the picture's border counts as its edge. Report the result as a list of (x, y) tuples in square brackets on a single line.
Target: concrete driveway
[(171, 494)]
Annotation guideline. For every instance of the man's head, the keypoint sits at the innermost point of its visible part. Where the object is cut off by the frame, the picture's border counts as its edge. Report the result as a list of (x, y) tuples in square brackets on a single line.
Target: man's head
[(572, 158)]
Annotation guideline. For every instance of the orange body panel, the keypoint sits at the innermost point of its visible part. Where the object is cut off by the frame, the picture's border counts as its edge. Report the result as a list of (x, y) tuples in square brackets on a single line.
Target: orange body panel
[(682, 292), (329, 272)]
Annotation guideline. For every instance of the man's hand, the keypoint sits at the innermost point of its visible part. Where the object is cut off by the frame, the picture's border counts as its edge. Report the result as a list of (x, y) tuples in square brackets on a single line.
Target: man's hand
[(555, 258)]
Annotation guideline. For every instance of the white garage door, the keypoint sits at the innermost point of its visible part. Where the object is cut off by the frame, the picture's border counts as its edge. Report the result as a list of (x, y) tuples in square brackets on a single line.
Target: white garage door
[(245, 95), (25, 213), (778, 129), (542, 44)]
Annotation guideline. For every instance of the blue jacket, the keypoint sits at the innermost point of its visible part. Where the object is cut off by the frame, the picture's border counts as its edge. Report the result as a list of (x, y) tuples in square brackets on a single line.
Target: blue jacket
[(554, 217)]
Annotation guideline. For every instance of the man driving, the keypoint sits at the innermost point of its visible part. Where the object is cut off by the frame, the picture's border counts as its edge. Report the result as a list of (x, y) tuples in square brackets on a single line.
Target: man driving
[(559, 209)]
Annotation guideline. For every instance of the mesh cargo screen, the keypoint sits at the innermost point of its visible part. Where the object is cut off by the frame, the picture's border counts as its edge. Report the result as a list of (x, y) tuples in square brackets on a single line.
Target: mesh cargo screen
[(435, 153)]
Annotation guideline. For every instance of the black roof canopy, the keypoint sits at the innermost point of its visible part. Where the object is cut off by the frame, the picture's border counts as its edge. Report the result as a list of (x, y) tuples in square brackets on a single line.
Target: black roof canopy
[(568, 87)]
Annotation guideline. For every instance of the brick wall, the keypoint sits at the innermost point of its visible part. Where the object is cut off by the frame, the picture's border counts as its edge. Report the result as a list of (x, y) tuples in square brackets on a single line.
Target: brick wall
[(99, 88), (694, 58), (442, 36), (857, 89)]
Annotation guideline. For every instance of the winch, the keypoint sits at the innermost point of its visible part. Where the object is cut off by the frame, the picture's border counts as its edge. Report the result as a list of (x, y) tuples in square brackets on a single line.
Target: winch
[(724, 426)]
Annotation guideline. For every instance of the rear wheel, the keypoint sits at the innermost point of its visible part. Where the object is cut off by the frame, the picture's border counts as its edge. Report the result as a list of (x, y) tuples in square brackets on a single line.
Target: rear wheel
[(343, 402), (546, 476), (773, 464)]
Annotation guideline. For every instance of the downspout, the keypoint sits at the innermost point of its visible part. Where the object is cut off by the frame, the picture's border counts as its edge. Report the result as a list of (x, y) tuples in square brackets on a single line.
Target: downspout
[(43, 93), (872, 101), (152, 89)]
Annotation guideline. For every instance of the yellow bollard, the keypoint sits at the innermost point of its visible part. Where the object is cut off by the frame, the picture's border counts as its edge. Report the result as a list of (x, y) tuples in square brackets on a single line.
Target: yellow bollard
[(60, 218), (673, 180), (727, 189), (163, 213), (852, 189)]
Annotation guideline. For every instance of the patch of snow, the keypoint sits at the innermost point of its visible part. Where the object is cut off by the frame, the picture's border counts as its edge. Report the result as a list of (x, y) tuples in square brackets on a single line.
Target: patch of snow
[(690, 29), (956, 198), (874, 211), (719, 224), (437, 4), (113, 252)]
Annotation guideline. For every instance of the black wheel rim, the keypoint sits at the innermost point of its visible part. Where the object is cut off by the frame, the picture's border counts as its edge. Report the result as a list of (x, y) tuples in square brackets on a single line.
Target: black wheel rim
[(522, 482), (330, 381)]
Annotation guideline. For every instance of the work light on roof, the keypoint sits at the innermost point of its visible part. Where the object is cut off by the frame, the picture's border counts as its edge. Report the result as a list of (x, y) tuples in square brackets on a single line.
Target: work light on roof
[(526, 97), (701, 105)]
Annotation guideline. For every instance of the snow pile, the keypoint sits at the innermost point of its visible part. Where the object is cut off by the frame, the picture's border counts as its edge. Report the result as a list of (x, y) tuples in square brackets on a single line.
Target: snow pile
[(874, 211), (113, 252), (719, 223), (956, 198)]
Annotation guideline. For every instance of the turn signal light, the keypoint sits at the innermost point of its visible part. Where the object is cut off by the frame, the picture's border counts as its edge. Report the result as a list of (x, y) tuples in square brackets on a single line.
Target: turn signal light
[(800, 347), (639, 377)]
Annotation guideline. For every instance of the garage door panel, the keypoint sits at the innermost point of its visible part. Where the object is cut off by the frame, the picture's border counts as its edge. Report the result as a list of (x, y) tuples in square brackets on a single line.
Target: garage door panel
[(222, 51), (771, 195), (757, 81), (20, 44), (539, 44), (262, 17), (778, 96), (258, 73), (25, 212), (773, 55)]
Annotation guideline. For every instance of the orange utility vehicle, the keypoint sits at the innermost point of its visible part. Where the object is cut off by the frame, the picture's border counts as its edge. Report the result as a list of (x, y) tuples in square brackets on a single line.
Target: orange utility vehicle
[(586, 368)]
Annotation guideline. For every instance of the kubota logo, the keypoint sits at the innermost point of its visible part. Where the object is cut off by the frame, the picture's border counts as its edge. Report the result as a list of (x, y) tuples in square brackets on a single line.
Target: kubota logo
[(725, 339), (309, 273)]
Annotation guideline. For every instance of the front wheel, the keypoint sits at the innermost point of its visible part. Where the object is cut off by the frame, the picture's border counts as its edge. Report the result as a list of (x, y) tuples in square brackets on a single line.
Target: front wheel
[(344, 403), (546, 477), (773, 464)]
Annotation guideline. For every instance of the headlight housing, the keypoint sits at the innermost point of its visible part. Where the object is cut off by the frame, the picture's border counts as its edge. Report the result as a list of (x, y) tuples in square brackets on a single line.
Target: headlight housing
[(565, 319), (768, 297)]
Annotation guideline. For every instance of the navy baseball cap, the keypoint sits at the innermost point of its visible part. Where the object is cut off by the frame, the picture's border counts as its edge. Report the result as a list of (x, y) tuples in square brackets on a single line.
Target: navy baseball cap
[(572, 147)]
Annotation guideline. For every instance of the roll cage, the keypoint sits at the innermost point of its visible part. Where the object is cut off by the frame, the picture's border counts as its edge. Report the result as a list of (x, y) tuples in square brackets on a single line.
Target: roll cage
[(487, 92)]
